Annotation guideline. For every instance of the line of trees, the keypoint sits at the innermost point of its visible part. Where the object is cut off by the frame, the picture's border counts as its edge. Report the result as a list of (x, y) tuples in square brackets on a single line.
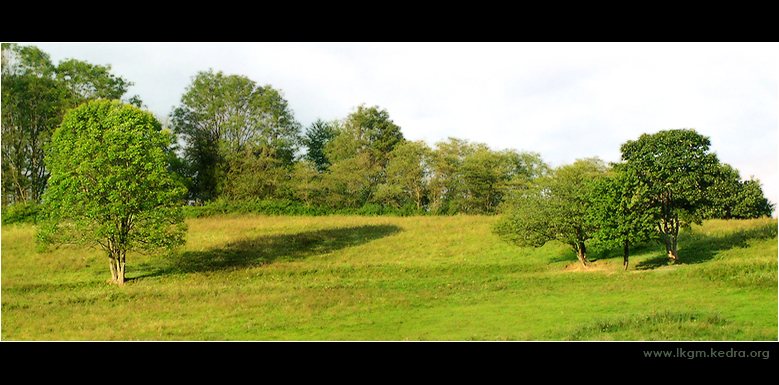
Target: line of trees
[(664, 181), (241, 141), (237, 140)]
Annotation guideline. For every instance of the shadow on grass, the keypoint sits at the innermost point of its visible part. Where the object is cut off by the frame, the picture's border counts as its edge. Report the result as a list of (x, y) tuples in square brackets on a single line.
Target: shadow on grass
[(269, 248), (697, 247)]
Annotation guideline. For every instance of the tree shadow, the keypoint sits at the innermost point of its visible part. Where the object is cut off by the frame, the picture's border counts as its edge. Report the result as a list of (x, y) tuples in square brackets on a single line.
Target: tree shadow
[(696, 247), (269, 248)]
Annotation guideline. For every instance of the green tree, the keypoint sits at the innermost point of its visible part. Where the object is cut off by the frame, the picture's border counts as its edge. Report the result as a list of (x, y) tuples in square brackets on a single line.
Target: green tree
[(729, 197), (752, 203), (674, 169), (359, 153), (470, 178), (446, 184), (408, 172), (316, 137), (254, 172), (620, 212), (220, 116), (32, 106), (488, 176), (306, 182), (349, 183), (374, 131), (35, 96), (89, 81), (110, 185), (555, 207)]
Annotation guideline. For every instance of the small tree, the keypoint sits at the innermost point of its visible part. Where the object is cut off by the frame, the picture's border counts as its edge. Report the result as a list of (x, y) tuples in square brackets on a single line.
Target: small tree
[(316, 137), (555, 207), (620, 212), (674, 169), (110, 185), (729, 197)]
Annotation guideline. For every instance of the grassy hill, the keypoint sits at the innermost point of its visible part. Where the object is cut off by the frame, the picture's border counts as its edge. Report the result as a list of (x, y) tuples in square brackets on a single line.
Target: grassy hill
[(389, 278)]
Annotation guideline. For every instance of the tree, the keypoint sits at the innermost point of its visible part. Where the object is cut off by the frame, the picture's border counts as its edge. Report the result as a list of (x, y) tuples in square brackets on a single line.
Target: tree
[(673, 169), (407, 175), (471, 178), (220, 116), (620, 212), (359, 153), (729, 197), (110, 185), (349, 183), (555, 207), (374, 131), (752, 203), (306, 182), (88, 81), (32, 106), (254, 173), (446, 184), (488, 176), (35, 96), (317, 135)]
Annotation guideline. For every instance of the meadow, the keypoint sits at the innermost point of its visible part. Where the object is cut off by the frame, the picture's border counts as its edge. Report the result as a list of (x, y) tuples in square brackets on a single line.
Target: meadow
[(251, 277)]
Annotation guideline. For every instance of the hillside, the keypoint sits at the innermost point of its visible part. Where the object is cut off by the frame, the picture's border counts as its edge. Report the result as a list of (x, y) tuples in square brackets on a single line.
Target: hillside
[(391, 278)]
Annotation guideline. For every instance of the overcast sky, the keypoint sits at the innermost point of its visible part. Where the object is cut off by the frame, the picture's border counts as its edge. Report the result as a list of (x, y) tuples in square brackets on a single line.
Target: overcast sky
[(565, 101)]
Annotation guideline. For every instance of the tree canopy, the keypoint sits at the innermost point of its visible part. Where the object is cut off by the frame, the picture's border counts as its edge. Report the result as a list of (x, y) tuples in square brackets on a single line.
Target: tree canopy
[(555, 207), (673, 169), (35, 95), (224, 118), (110, 184)]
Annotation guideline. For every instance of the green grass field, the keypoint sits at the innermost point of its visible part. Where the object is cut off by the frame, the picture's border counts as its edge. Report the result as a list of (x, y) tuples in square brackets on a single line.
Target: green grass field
[(388, 278)]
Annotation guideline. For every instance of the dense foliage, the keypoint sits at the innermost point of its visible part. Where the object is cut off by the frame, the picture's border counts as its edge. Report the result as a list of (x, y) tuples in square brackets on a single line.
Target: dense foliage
[(110, 185)]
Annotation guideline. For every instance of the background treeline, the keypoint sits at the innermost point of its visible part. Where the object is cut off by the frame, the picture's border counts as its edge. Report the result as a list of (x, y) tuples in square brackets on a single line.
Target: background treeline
[(240, 149)]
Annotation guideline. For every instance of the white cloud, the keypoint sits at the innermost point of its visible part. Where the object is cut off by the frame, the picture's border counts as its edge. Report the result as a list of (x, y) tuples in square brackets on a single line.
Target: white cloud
[(565, 101)]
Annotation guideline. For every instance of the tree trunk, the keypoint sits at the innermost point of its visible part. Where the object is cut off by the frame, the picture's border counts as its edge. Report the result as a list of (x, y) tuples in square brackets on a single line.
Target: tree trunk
[(581, 254), (120, 269), (113, 265), (626, 254), (672, 253), (116, 261)]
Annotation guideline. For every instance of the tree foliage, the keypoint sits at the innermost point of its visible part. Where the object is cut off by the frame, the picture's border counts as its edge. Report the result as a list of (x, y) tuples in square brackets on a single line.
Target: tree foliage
[(729, 197), (315, 139), (673, 169), (35, 95), (555, 207), (110, 184), (620, 212), (221, 116)]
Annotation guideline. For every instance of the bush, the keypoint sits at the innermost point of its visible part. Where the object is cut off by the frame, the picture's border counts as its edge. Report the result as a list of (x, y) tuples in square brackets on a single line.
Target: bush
[(26, 212)]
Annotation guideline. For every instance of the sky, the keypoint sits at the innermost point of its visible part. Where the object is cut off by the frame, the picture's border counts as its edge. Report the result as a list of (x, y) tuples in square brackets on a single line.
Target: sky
[(563, 100)]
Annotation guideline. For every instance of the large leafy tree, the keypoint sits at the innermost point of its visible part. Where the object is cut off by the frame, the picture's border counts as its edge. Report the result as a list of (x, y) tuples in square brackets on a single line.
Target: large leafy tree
[(35, 95), (110, 184), (223, 117), (359, 153), (554, 207), (673, 169)]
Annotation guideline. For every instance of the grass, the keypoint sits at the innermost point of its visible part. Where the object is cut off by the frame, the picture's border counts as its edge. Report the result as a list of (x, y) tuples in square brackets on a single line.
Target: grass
[(392, 278)]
